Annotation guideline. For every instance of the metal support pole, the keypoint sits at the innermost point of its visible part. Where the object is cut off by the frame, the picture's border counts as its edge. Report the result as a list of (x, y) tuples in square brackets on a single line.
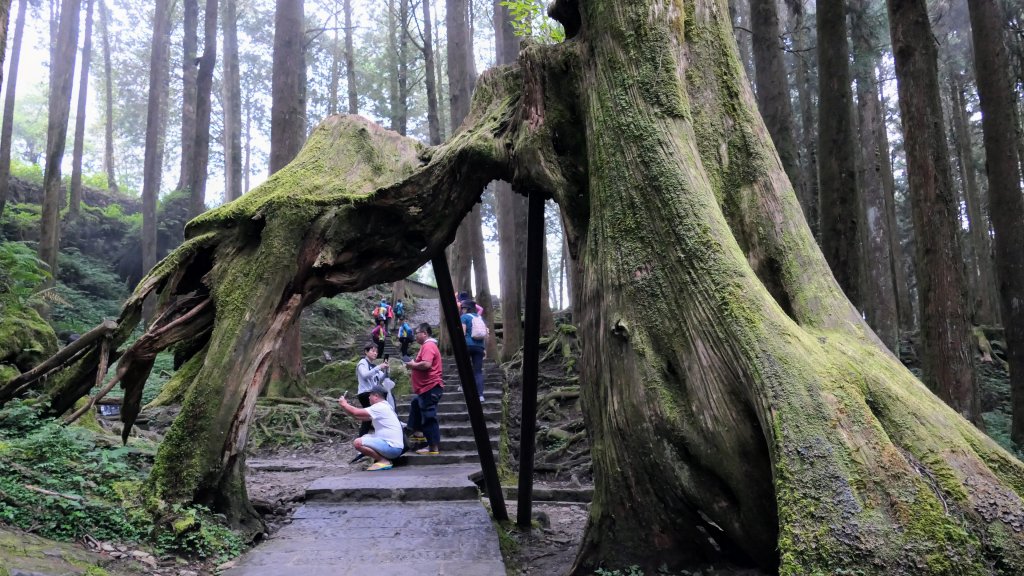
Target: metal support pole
[(446, 295), (531, 355)]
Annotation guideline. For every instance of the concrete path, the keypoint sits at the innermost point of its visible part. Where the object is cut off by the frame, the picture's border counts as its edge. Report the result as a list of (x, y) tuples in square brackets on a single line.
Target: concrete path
[(422, 518)]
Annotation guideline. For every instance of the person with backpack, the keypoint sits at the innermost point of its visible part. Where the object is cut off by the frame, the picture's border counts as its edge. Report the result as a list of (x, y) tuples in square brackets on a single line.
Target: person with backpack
[(384, 313), (475, 331), (379, 336), (399, 310), (405, 338)]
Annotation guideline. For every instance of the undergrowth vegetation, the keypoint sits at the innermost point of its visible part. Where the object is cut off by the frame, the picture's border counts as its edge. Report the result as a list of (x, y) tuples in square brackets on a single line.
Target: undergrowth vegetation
[(69, 482)]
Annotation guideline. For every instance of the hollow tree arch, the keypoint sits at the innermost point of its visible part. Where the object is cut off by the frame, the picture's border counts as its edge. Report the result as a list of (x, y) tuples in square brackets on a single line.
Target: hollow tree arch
[(753, 418)]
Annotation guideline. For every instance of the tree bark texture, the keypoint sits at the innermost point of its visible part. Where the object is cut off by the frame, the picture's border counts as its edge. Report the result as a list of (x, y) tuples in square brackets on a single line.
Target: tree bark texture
[(74, 205), (204, 106), (765, 426), (288, 109), (838, 204), (985, 293), (108, 99), (1007, 205), (773, 85), (189, 75), (62, 72), (159, 72), (5, 19), (232, 104), (7, 129), (878, 288), (947, 361)]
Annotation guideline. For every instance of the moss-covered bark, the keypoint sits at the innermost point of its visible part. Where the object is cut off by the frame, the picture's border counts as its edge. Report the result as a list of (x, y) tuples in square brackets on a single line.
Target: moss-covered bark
[(739, 409)]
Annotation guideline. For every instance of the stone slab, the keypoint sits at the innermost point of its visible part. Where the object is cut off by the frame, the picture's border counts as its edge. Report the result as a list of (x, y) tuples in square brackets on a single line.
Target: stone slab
[(398, 539), (402, 484)]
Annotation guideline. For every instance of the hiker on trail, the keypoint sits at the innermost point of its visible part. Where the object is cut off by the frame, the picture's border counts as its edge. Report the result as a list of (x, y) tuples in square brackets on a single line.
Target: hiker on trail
[(379, 335), (405, 337), (386, 441), (368, 376), (399, 310), (384, 313), (463, 297), (475, 332), (428, 386)]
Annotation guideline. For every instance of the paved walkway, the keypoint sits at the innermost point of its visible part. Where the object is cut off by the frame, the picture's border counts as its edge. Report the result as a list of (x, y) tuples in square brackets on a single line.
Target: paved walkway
[(421, 518)]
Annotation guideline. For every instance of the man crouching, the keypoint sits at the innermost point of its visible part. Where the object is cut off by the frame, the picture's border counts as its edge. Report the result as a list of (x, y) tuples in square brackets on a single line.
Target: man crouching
[(385, 442)]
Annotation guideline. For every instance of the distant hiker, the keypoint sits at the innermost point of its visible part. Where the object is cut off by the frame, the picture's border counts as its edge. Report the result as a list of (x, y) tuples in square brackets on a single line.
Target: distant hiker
[(405, 337), (475, 332), (368, 376), (386, 441), (428, 386), (384, 313), (399, 310), (379, 335)]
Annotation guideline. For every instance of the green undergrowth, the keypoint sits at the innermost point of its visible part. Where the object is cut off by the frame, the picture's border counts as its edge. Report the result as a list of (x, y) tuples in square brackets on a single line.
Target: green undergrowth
[(66, 482)]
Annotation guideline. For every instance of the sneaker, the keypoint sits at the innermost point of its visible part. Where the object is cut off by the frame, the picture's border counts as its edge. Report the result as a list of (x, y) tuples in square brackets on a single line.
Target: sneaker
[(428, 451), (481, 399), (379, 466)]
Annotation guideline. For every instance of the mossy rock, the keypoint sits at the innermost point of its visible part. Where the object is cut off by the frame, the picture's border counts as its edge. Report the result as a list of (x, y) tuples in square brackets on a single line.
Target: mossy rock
[(336, 376), (7, 372), (25, 338)]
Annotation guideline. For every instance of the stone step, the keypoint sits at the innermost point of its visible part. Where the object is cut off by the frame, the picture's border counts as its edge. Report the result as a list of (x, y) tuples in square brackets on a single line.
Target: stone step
[(445, 457), (444, 407), (404, 484), (464, 443)]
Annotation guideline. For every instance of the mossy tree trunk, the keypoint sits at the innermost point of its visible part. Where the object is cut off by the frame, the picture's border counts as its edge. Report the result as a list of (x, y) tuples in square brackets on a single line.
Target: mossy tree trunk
[(765, 426)]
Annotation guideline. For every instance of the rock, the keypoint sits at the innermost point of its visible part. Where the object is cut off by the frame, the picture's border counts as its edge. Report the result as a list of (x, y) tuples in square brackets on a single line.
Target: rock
[(227, 565)]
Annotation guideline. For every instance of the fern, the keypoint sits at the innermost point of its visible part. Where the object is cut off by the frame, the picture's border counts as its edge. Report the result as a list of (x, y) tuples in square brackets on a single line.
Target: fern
[(21, 273)]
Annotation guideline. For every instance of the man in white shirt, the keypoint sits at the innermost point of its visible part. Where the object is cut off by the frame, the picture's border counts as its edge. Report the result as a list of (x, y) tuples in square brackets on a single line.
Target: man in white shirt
[(386, 441)]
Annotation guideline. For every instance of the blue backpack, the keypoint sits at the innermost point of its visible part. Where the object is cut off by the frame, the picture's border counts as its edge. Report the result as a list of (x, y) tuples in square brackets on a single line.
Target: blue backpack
[(405, 331), (399, 308)]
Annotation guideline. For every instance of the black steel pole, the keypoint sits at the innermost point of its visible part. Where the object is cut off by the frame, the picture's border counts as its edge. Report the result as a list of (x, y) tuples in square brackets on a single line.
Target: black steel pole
[(446, 294), (531, 355)]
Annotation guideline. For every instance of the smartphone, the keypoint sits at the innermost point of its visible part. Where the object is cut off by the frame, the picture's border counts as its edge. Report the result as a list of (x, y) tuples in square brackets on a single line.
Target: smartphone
[(386, 356)]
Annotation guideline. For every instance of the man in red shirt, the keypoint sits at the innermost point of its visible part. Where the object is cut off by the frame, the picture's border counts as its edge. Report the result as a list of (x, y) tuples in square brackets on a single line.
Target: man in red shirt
[(428, 386)]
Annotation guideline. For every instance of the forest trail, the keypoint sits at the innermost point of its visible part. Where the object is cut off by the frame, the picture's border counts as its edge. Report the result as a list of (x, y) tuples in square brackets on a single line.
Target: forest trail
[(423, 517)]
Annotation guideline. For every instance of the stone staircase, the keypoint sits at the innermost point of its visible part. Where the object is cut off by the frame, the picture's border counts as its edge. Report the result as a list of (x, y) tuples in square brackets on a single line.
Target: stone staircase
[(457, 443)]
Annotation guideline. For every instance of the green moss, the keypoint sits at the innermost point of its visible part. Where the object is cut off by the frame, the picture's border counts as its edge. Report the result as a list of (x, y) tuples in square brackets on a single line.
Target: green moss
[(25, 338)]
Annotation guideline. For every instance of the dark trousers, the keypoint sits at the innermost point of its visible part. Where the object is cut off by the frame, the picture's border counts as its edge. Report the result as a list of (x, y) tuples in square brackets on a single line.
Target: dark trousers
[(405, 346), (380, 347), (477, 356), (423, 415), (366, 425)]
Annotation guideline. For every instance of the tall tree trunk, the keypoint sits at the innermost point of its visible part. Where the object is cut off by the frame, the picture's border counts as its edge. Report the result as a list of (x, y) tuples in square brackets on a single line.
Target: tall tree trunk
[(248, 142), (394, 104), (83, 92), (232, 104), (204, 106), (5, 18), (947, 362), (62, 73), (898, 259), (837, 173), (429, 78), (773, 85), (7, 131), (189, 74), (350, 61), (808, 130), (739, 11), (995, 90), (335, 77), (505, 201), (403, 67), (288, 109), (765, 426), (460, 70), (981, 277), (879, 289), (108, 97)]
